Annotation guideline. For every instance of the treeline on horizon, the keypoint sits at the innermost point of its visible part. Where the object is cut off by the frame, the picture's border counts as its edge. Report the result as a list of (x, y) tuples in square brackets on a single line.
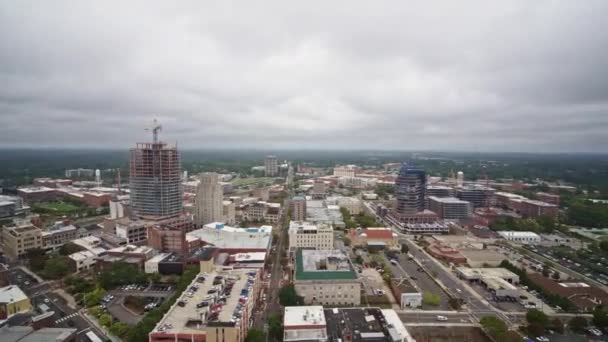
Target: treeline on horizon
[(587, 171)]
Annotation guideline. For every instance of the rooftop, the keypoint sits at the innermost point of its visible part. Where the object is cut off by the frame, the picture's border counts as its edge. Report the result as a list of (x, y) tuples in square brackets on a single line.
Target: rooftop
[(11, 293), (190, 319), (50, 334), (84, 255), (323, 265), (303, 316), (365, 324), (498, 272), (223, 236), (33, 189), (132, 249), (453, 200), (517, 234)]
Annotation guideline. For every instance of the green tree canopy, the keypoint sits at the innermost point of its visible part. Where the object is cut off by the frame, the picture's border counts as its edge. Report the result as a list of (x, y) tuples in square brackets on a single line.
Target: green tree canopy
[(255, 335), (535, 316), (600, 317), (495, 327), (289, 297), (275, 326), (55, 268), (578, 324)]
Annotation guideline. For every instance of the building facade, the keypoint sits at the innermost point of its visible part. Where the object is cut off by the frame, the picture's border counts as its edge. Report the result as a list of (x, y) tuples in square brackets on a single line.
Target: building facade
[(298, 208), (208, 202), (155, 180), (17, 241), (271, 166), (410, 187), (450, 208), (306, 235)]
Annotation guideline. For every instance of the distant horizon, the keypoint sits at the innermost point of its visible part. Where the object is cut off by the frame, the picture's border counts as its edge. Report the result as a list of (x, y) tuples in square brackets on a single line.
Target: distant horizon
[(274, 151)]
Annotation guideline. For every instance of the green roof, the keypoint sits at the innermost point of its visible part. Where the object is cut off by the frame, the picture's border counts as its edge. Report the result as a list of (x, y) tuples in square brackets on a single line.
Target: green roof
[(301, 274)]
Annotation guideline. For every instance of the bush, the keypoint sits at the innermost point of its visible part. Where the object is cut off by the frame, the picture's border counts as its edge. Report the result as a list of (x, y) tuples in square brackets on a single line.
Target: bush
[(139, 333), (495, 327), (578, 324), (119, 329), (431, 299)]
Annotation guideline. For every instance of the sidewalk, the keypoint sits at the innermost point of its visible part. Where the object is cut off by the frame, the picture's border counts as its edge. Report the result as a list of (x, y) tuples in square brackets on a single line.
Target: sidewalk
[(94, 323), (34, 275), (68, 298)]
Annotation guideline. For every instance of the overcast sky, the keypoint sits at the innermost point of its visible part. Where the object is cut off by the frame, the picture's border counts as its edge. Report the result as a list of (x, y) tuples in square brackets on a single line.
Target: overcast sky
[(446, 75)]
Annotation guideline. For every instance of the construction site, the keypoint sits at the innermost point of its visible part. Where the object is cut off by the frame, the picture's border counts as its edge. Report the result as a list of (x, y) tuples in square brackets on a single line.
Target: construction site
[(154, 179)]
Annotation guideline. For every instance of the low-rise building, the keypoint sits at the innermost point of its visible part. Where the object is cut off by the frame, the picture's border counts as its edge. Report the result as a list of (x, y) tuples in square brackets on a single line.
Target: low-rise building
[(499, 281), (229, 297), (450, 208), (228, 210), (326, 277), (33, 194), (231, 238), (92, 244), (374, 238), (13, 301), (304, 323), (151, 265), (409, 295), (584, 296), (353, 205), (34, 334), (426, 228), (520, 237), (81, 261), (320, 211), (306, 235), (58, 235), (18, 240), (365, 324)]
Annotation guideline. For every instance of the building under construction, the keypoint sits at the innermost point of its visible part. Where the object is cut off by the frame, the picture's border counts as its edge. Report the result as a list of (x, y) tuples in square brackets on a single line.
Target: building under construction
[(155, 179)]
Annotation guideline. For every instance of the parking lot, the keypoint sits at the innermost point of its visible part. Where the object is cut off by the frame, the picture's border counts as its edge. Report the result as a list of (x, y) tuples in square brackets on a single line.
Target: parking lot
[(408, 268), (591, 264), (121, 304)]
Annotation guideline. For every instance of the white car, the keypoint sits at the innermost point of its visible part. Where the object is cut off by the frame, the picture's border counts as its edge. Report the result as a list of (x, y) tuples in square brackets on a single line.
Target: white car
[(442, 318), (542, 339)]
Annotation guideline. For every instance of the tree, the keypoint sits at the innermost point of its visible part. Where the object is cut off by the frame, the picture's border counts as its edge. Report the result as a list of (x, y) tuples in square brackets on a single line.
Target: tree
[(535, 316), (289, 297), (557, 325), (69, 248), (604, 245), (555, 275), (404, 248), (346, 240), (546, 272), (255, 335), (431, 299), (55, 268), (105, 320), (359, 259), (600, 317), (94, 297), (495, 327), (578, 324), (37, 258), (119, 329), (275, 326), (154, 277)]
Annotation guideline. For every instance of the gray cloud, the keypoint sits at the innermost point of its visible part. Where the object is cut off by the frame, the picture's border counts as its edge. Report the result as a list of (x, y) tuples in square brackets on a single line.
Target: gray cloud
[(467, 75)]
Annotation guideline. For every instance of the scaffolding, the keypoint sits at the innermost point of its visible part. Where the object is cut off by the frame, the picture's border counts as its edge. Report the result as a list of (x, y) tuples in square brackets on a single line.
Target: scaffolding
[(155, 180)]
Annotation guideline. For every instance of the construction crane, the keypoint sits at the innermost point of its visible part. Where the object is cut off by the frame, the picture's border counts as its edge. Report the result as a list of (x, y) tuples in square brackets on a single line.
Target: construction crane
[(156, 127)]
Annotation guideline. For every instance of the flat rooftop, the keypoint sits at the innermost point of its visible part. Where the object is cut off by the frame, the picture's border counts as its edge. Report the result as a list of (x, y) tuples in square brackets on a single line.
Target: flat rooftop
[(190, 319), (477, 273), (223, 236), (323, 265), (302, 316), (365, 324), (447, 200)]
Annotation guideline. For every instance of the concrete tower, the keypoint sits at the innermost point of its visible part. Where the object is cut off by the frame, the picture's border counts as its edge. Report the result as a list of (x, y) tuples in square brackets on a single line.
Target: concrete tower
[(155, 179), (460, 179), (208, 201)]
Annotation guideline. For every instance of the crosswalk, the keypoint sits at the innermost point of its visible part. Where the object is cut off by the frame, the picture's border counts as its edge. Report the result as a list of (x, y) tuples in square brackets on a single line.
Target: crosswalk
[(63, 319)]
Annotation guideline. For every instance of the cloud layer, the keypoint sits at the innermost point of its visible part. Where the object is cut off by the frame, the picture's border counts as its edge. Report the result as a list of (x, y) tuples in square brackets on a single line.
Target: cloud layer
[(465, 75)]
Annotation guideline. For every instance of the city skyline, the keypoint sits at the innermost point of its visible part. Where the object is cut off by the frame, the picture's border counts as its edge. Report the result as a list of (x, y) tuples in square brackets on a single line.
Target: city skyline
[(472, 76)]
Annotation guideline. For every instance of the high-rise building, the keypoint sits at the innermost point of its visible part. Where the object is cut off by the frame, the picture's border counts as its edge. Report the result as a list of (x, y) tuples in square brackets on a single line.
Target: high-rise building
[(271, 166), (410, 187), (450, 208), (460, 179), (208, 201), (298, 208), (155, 179)]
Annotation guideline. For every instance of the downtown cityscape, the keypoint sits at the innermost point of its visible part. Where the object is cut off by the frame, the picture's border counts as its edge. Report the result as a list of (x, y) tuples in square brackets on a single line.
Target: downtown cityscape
[(219, 171)]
